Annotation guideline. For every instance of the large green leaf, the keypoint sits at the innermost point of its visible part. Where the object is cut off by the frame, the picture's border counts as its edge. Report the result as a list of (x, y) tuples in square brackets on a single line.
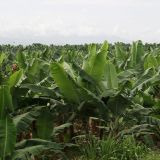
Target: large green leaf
[(126, 75), (150, 61), (147, 79), (61, 128), (21, 59), (33, 72), (40, 89), (44, 125), (96, 62), (2, 58), (83, 75), (35, 147), (118, 104), (121, 56), (7, 137), (133, 54), (64, 82), (23, 121), (110, 80), (137, 53), (5, 101), (120, 53), (88, 64), (93, 102), (15, 78), (140, 51), (68, 69)]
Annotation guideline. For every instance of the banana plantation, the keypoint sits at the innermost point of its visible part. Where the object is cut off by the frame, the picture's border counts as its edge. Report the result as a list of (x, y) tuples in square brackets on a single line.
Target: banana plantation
[(80, 102)]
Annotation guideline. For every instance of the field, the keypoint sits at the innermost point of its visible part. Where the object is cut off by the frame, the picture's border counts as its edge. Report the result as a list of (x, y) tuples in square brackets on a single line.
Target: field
[(80, 102)]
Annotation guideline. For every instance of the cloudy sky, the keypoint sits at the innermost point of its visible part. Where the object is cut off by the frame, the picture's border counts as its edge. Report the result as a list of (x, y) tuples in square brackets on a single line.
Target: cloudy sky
[(78, 21)]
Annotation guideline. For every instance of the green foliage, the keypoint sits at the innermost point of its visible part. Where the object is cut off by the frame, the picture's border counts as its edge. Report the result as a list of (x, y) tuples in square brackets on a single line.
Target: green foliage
[(24, 120), (137, 53), (150, 62), (5, 101), (7, 137), (95, 63), (152, 155), (21, 59), (47, 91), (35, 147), (109, 149), (2, 58), (110, 77), (65, 83), (44, 125), (15, 78)]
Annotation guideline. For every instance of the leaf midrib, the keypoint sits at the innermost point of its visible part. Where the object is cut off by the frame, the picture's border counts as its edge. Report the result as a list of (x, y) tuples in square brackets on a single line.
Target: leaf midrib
[(6, 138)]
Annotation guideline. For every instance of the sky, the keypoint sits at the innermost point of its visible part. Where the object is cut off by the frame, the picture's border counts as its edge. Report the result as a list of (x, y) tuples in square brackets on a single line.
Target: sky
[(78, 21)]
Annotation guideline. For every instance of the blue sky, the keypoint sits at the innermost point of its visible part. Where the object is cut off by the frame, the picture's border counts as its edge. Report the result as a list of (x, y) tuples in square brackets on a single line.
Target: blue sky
[(78, 21)]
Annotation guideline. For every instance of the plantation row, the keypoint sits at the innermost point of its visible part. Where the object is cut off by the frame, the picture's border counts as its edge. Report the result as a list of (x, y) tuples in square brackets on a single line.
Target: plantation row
[(86, 102)]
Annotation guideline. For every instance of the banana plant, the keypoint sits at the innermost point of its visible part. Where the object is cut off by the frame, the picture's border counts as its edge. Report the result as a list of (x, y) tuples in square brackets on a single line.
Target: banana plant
[(137, 53), (97, 79), (7, 128), (43, 87)]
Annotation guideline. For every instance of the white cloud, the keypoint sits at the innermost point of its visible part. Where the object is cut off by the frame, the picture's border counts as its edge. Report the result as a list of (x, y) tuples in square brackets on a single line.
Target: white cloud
[(27, 21)]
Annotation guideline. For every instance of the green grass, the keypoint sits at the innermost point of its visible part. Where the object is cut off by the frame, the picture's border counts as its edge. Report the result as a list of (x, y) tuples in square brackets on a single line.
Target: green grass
[(111, 149), (152, 155)]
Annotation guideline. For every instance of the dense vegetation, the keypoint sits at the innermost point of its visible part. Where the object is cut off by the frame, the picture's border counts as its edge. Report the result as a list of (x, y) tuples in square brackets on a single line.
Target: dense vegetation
[(84, 102)]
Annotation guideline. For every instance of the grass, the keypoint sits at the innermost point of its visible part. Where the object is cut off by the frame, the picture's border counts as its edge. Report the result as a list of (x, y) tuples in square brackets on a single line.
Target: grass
[(111, 149), (152, 155)]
